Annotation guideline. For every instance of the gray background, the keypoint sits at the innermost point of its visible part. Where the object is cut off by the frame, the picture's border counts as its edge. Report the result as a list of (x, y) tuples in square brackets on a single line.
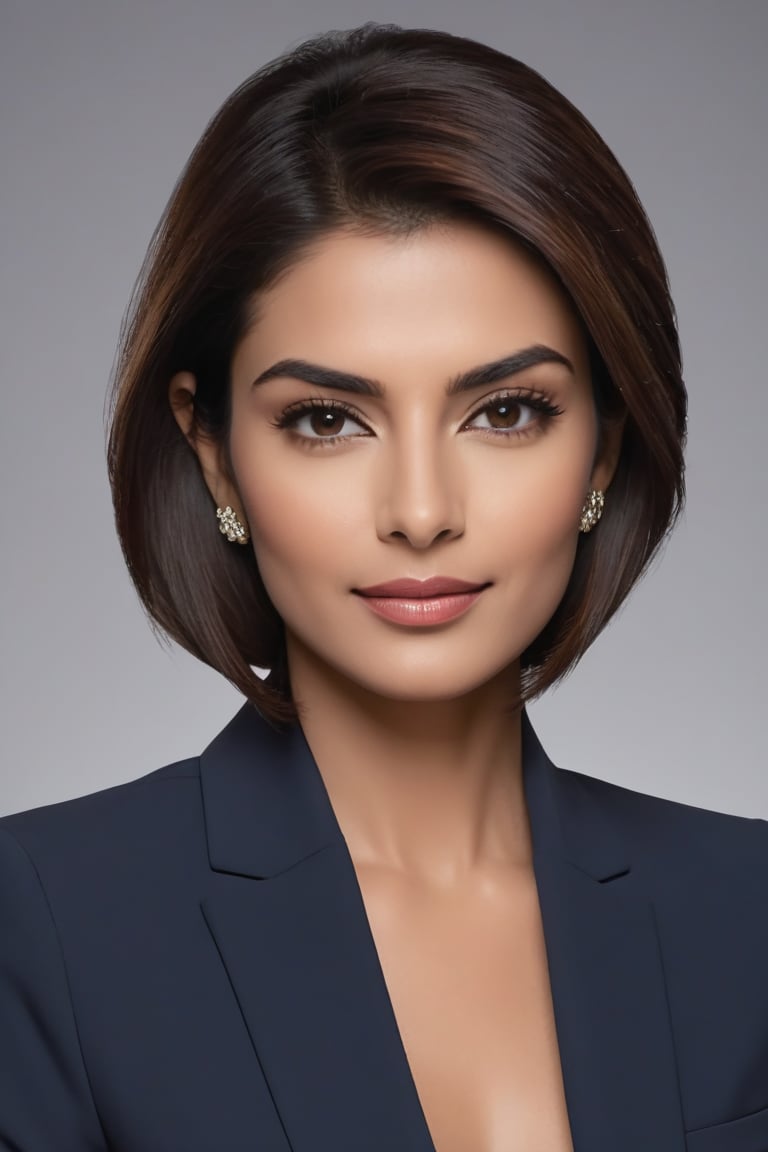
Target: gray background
[(100, 105)]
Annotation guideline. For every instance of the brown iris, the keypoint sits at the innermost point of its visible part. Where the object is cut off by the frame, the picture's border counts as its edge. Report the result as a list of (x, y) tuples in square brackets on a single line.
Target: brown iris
[(503, 414), (327, 421)]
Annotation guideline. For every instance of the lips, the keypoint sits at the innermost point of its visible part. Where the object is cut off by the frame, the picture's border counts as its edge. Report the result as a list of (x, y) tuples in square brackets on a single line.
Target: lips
[(421, 603), (408, 589)]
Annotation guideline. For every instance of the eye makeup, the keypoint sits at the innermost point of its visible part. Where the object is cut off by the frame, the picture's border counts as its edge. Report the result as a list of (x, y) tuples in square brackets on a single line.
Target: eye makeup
[(324, 419)]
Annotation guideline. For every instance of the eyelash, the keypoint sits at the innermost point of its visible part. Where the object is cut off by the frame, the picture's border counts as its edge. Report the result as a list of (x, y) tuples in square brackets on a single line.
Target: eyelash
[(535, 401)]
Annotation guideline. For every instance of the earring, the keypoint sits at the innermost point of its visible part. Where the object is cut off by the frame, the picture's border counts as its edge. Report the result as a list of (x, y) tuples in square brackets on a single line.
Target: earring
[(592, 510), (231, 527)]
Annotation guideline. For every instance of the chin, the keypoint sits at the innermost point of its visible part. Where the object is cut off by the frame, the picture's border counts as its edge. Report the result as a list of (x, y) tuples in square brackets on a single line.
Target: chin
[(430, 685), (415, 670)]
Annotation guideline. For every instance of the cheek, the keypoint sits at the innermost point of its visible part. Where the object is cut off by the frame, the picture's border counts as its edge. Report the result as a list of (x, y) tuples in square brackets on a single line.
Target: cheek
[(537, 508), (300, 526), (549, 524), (535, 559), (536, 529)]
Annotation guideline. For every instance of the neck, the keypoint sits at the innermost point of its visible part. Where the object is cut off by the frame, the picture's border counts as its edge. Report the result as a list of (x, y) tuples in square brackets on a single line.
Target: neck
[(430, 788)]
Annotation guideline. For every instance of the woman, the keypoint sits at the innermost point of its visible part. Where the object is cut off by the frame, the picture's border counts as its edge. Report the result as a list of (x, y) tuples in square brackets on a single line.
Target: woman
[(399, 417)]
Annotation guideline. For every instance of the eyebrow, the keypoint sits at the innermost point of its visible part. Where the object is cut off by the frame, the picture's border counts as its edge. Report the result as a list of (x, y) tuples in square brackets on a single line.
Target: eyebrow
[(475, 378)]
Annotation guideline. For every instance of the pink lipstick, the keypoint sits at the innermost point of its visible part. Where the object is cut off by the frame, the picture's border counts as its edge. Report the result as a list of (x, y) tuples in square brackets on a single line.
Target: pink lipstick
[(421, 602)]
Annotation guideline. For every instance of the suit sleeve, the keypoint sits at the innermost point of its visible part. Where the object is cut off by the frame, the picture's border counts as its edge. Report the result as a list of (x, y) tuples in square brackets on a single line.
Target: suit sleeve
[(45, 1099)]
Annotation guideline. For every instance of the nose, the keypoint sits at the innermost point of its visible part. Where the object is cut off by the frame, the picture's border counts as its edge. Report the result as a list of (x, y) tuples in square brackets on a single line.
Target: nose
[(421, 499)]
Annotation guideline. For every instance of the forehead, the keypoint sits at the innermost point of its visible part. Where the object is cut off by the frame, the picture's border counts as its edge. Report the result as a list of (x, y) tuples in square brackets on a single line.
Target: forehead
[(444, 294)]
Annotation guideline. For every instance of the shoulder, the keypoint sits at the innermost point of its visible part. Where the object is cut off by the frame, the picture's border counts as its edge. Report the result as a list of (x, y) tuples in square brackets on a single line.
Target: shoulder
[(99, 832), (121, 801), (641, 810), (700, 863)]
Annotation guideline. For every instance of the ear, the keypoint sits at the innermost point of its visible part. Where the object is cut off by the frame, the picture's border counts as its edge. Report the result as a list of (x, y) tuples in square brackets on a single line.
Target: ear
[(210, 453), (609, 450)]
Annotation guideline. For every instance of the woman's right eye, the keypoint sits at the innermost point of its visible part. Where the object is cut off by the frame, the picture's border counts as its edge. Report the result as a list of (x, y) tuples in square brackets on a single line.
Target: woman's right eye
[(322, 421)]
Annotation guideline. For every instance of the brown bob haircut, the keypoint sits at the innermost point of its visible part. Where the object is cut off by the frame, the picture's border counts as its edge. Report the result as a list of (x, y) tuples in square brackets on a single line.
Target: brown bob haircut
[(387, 130)]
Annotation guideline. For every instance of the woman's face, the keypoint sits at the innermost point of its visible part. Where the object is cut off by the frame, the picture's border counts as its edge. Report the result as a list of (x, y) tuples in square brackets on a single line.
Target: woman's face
[(396, 450)]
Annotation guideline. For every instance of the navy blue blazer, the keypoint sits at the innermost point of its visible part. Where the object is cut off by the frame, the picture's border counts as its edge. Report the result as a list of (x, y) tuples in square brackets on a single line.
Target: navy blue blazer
[(186, 965)]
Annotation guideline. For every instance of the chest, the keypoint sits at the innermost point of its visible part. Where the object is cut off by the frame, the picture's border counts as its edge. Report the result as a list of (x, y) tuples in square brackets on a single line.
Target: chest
[(468, 980)]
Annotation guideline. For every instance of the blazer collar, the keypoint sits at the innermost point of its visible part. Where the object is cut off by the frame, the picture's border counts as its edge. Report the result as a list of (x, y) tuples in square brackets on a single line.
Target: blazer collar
[(286, 912), (267, 807)]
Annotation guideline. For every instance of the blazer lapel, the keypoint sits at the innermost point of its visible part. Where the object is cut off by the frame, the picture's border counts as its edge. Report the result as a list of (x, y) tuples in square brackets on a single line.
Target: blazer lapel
[(298, 948), (606, 974), (286, 912)]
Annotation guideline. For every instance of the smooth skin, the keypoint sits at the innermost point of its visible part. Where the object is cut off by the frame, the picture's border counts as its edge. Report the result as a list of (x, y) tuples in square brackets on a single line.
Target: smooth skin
[(410, 726)]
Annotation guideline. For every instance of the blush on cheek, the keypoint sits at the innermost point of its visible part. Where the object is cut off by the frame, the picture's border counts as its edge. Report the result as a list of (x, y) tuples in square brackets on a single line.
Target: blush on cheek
[(545, 522), (558, 542), (546, 545)]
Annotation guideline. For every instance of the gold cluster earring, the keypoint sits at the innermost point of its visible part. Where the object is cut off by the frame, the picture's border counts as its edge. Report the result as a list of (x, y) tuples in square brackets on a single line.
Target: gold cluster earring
[(231, 526), (592, 510)]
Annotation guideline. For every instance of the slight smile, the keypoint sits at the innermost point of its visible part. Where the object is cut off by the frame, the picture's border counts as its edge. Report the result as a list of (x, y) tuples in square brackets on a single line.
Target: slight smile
[(419, 603)]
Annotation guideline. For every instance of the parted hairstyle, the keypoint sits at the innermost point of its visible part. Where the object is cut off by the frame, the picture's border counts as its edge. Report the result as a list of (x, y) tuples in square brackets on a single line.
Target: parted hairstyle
[(387, 130)]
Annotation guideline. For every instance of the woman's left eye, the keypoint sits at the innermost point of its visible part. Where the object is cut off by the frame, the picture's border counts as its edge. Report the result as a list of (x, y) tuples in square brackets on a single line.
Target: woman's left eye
[(512, 414)]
